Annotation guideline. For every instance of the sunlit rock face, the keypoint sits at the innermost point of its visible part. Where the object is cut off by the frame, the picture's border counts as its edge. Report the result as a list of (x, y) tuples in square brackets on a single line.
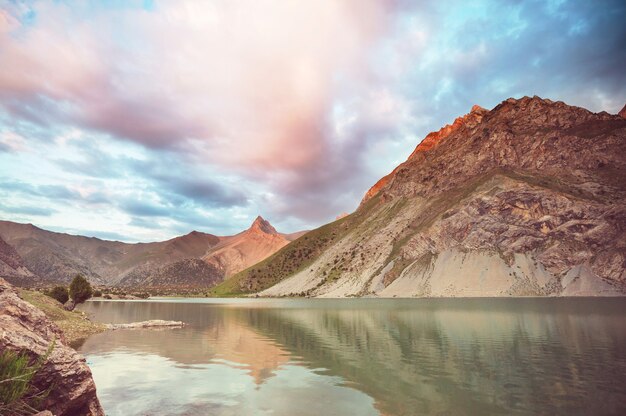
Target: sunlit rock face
[(525, 199), (241, 251), (430, 141), (24, 328)]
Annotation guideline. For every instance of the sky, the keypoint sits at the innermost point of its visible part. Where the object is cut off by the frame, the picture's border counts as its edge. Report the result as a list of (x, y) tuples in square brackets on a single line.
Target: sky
[(144, 120)]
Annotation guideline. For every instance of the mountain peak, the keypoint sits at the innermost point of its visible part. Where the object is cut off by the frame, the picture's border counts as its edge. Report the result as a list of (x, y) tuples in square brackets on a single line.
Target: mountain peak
[(476, 108), (262, 225), (622, 112), (431, 140)]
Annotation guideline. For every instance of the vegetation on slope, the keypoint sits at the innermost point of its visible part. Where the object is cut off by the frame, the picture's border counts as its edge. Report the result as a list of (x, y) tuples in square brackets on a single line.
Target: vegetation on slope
[(17, 393), (75, 325), (292, 258)]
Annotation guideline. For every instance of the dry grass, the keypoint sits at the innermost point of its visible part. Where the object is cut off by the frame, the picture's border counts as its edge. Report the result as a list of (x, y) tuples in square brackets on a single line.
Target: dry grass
[(75, 324)]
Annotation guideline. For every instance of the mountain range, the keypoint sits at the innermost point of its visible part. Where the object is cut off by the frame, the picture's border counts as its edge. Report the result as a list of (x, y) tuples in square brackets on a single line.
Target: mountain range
[(526, 199), (31, 256)]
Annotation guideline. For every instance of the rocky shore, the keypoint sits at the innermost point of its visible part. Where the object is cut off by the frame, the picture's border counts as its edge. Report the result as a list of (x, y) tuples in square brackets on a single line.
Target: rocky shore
[(74, 324), (26, 329)]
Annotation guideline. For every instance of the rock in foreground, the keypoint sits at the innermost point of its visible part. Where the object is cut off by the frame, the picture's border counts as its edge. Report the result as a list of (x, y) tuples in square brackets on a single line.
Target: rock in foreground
[(24, 328)]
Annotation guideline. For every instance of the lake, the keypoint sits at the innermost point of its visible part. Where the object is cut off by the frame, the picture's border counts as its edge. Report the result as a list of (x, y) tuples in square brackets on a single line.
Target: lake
[(362, 357)]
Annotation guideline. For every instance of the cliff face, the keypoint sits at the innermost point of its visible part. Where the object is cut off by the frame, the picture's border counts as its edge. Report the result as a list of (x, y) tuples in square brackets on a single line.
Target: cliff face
[(24, 328), (526, 199)]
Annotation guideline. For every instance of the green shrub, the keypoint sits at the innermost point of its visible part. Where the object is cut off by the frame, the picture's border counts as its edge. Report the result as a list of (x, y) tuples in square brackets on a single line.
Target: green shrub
[(80, 289), (97, 294), (142, 295), (59, 293), (17, 395)]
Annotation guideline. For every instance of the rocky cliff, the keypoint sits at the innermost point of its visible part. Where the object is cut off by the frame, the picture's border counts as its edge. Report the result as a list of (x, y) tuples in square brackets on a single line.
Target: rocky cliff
[(525, 199), (24, 328)]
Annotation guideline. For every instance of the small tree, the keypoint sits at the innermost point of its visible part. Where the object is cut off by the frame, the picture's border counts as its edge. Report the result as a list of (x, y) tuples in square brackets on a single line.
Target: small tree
[(80, 289), (59, 293)]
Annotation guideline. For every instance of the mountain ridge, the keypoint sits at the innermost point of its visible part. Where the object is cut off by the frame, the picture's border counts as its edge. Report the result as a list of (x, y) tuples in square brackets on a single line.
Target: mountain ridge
[(525, 199), (51, 257)]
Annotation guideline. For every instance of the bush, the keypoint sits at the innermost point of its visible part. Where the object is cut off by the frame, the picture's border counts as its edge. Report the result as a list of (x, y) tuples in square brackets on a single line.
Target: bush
[(142, 295), (97, 294), (80, 289), (59, 293), (17, 395)]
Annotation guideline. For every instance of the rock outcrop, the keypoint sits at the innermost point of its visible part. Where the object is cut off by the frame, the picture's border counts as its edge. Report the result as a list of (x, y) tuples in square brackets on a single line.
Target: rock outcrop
[(24, 328), (526, 199)]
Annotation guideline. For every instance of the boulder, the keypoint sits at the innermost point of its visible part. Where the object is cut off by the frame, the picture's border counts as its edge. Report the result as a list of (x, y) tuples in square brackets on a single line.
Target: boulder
[(24, 328)]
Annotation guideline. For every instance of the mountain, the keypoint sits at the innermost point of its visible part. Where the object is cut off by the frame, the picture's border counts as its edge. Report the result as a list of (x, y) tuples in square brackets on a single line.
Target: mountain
[(12, 267), (525, 199), (175, 263), (236, 253)]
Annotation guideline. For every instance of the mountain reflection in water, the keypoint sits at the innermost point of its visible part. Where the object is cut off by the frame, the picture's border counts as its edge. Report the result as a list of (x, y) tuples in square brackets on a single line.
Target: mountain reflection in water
[(362, 356)]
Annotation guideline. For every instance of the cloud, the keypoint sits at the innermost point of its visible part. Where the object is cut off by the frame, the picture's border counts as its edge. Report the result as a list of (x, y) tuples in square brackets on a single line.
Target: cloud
[(191, 114), (144, 209), (27, 210), (53, 192), (203, 191), (242, 77)]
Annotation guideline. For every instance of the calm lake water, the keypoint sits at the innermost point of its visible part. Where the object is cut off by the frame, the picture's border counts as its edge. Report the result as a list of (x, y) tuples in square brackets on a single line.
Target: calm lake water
[(362, 357)]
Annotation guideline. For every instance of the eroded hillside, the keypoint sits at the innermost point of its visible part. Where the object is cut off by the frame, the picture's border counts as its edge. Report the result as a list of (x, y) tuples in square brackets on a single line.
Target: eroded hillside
[(525, 199)]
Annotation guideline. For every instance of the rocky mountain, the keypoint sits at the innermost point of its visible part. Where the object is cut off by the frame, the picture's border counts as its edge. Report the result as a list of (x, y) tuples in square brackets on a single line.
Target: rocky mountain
[(236, 253), (12, 267), (175, 263), (525, 199), (188, 273)]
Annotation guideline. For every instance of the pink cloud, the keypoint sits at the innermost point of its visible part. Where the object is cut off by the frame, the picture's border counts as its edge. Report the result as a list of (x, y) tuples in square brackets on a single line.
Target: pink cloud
[(249, 82)]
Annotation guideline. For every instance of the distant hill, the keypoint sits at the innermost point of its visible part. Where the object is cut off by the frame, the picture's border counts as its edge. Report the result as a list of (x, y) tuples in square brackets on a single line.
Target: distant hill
[(528, 198), (49, 257), (13, 269), (234, 254)]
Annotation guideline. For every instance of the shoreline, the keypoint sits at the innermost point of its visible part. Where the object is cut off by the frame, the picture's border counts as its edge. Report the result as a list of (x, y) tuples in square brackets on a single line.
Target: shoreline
[(75, 325), (165, 298)]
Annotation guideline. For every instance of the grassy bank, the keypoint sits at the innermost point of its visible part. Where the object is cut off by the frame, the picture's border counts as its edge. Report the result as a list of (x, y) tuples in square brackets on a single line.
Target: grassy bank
[(75, 325)]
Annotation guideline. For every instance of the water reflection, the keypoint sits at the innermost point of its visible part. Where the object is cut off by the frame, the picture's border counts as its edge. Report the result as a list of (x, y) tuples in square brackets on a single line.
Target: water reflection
[(397, 357)]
